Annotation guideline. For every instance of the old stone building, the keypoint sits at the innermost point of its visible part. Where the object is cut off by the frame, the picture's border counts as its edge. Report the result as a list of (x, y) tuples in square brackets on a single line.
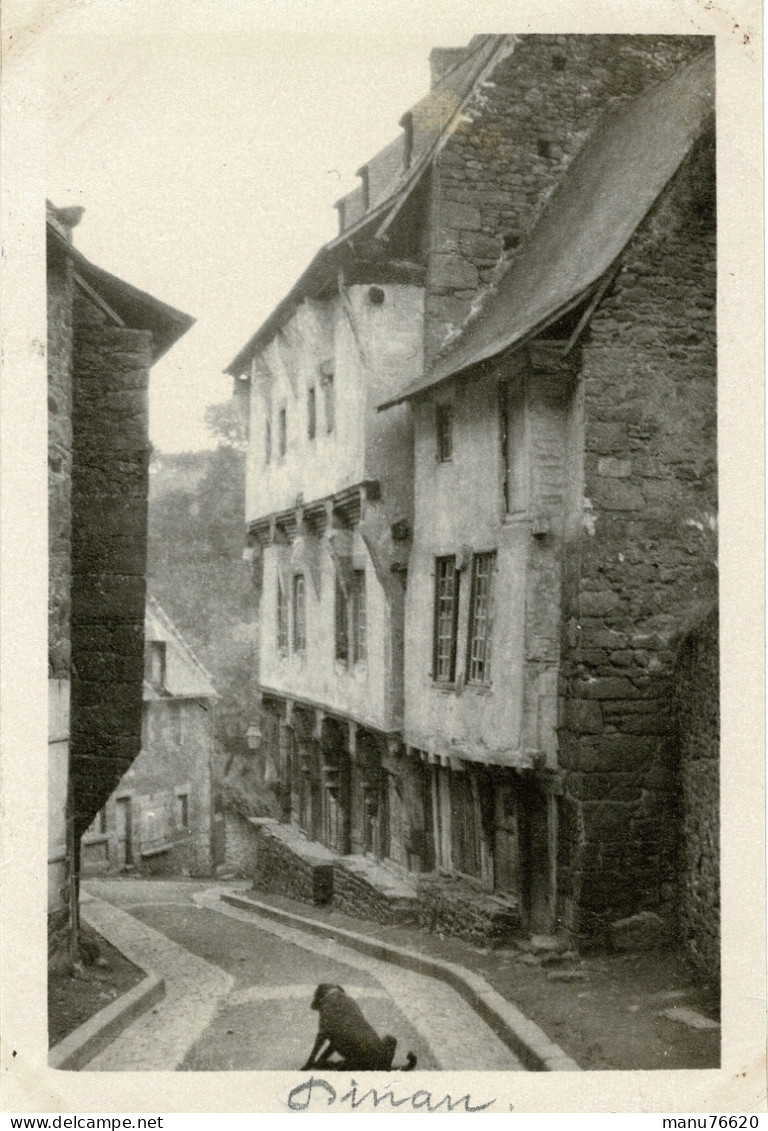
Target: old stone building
[(541, 241), (103, 337), (159, 818), (565, 527)]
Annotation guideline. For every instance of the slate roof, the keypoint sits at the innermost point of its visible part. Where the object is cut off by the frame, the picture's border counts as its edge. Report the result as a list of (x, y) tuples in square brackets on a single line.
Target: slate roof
[(390, 183), (136, 309), (606, 193), (389, 179), (185, 675)]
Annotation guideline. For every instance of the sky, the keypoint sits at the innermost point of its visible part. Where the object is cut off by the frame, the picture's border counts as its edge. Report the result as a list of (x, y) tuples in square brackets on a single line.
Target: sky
[(208, 158)]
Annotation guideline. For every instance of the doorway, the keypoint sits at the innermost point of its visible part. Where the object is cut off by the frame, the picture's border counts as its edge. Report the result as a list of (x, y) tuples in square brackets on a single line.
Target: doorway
[(124, 825)]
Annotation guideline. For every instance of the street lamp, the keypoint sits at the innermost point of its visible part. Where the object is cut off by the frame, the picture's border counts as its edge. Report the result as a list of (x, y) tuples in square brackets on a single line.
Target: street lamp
[(253, 737)]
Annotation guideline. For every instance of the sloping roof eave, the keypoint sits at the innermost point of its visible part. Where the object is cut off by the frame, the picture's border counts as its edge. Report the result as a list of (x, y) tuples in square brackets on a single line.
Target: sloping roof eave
[(606, 194), (384, 210), (139, 309), (495, 352)]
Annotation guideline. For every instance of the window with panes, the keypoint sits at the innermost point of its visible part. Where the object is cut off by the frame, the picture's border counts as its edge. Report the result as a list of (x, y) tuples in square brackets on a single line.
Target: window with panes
[(357, 610), (480, 619), (282, 617), (299, 613), (351, 619), (445, 620), (342, 629)]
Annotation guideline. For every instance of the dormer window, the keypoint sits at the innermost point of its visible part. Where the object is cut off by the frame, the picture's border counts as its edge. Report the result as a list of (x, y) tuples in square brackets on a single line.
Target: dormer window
[(282, 424), (267, 441)]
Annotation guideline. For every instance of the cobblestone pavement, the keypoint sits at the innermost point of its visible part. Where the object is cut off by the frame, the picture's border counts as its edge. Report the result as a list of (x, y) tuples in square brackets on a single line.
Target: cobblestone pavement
[(239, 988)]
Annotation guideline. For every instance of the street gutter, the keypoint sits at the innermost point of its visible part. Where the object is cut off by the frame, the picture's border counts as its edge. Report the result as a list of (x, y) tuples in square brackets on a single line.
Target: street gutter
[(82, 1045), (526, 1040)]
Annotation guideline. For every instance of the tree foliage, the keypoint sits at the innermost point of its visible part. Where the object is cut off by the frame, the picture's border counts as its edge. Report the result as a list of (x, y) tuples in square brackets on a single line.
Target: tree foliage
[(197, 573), (226, 423)]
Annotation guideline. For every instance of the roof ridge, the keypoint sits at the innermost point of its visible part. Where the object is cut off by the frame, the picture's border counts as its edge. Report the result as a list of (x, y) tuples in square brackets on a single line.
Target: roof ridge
[(664, 119), (483, 56), (169, 624), (507, 262)]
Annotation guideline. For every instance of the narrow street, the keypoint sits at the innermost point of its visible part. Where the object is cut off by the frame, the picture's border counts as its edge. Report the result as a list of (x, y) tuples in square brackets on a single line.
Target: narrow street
[(256, 1014)]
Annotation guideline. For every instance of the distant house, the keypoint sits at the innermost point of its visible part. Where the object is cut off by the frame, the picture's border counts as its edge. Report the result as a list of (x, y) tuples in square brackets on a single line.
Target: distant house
[(159, 818), (103, 337)]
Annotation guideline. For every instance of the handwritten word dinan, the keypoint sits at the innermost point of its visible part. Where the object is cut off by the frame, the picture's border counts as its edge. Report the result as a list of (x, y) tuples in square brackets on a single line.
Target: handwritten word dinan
[(325, 1095)]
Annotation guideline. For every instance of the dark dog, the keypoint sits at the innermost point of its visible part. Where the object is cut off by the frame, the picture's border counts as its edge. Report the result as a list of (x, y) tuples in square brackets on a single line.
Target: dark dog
[(349, 1037)]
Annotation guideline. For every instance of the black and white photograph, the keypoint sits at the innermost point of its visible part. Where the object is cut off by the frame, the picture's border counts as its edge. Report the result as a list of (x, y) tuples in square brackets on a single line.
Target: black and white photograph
[(396, 400)]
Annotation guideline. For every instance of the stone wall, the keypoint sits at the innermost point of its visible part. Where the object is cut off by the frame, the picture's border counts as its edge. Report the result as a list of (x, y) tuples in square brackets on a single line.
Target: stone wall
[(518, 135), (241, 837), (59, 464), (287, 864), (697, 716), (109, 533), (455, 907), (640, 563), (353, 895), (366, 889)]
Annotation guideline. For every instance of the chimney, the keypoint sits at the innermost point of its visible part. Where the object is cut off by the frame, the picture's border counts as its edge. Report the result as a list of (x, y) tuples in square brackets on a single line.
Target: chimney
[(64, 219)]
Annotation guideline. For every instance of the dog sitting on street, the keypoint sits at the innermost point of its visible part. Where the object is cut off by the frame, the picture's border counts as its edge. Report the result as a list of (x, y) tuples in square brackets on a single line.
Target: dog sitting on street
[(349, 1036)]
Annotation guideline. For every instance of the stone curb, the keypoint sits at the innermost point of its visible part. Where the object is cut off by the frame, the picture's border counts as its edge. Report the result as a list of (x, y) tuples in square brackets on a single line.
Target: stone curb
[(82, 1045), (160, 1038), (522, 1036)]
